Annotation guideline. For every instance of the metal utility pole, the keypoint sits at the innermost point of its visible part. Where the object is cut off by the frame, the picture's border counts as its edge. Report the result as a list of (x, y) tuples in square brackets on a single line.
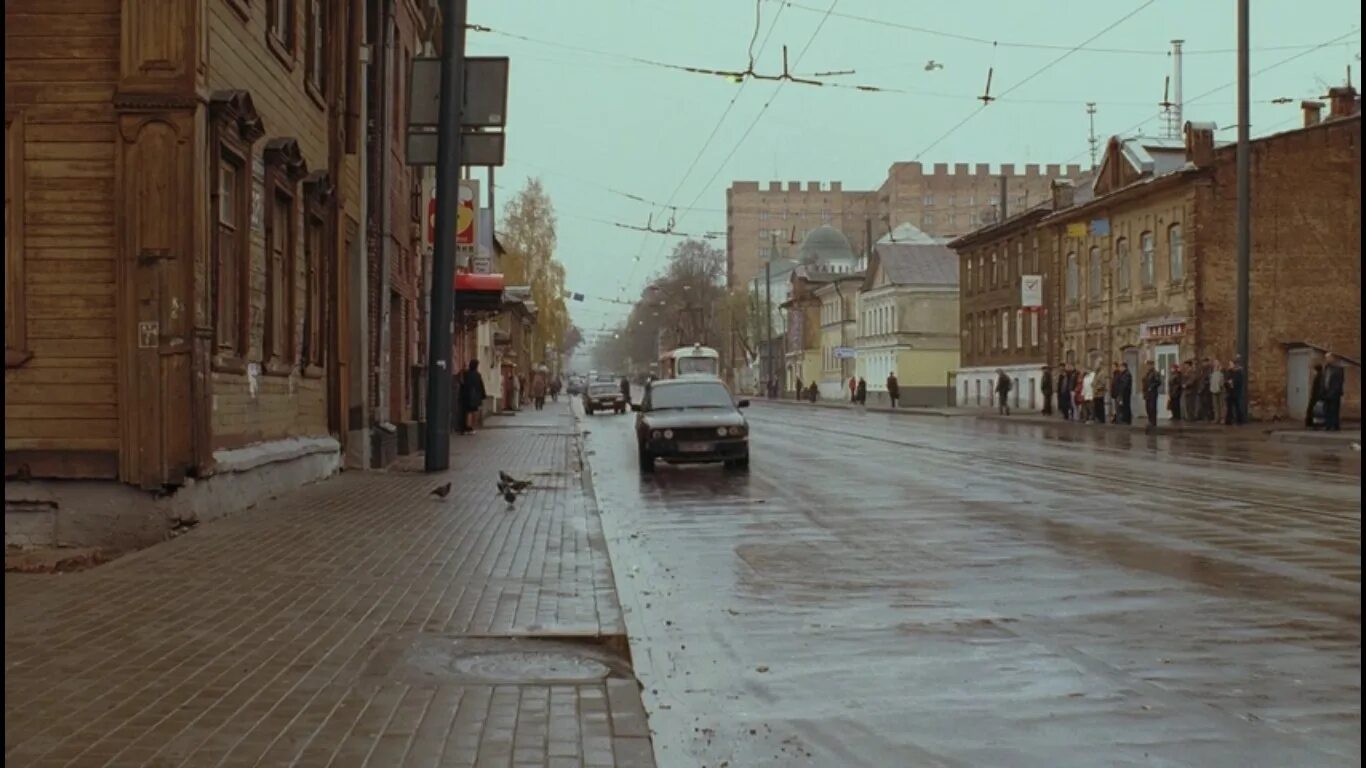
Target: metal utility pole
[(444, 303), (1244, 211), (768, 319), (1092, 141)]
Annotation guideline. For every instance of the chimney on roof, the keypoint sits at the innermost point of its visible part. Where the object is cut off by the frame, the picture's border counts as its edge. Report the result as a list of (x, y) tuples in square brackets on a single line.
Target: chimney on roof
[(1343, 101), (1200, 143), (1313, 112), (1064, 194)]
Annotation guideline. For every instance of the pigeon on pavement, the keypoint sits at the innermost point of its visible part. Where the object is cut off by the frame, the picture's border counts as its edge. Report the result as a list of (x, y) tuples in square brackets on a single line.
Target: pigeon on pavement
[(442, 491)]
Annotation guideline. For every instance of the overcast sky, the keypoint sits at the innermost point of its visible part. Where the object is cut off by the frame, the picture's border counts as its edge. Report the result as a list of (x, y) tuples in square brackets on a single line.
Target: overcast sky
[(587, 120)]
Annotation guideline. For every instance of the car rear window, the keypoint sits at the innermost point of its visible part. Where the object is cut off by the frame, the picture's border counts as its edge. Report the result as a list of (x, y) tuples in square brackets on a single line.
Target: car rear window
[(699, 394), (602, 389)]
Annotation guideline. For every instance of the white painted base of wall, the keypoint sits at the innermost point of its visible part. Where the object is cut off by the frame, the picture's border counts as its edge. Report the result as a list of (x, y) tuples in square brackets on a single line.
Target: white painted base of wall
[(119, 517), (976, 387)]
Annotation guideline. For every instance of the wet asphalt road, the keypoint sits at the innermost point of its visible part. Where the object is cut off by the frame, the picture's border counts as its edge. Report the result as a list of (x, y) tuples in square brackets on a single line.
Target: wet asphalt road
[(892, 591)]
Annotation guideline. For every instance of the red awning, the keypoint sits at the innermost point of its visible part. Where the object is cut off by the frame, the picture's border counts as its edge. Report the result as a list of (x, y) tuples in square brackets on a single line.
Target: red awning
[(479, 292), (466, 281)]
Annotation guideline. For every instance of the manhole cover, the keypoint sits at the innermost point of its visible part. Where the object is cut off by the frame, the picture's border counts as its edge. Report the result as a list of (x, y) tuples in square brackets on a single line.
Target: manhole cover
[(529, 667)]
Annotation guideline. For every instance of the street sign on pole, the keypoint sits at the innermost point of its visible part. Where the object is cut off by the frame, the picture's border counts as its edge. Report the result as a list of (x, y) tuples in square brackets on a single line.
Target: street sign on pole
[(485, 91), (487, 150)]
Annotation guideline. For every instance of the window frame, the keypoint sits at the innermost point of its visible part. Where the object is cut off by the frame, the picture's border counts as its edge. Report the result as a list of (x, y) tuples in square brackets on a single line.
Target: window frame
[(317, 51), (1176, 253), (285, 167), (235, 128), (317, 264), (1095, 286), (1072, 278), (1147, 246), (1123, 272), (283, 43), (17, 350)]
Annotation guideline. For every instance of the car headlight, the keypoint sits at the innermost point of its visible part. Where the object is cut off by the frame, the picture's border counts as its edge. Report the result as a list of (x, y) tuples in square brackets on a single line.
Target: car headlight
[(668, 434), (722, 431), (655, 434), (737, 431)]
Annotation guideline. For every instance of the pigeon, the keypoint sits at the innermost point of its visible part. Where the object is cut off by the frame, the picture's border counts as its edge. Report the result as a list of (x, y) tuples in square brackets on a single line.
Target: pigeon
[(506, 480), (442, 491), (932, 65), (510, 497)]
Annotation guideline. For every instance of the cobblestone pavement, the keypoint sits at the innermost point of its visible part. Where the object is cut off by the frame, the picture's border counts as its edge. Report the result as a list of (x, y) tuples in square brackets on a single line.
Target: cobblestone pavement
[(884, 591), (322, 628)]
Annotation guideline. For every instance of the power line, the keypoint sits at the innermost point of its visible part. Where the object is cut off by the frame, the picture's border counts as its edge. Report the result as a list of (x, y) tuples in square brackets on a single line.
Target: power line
[(1016, 43), (1033, 75)]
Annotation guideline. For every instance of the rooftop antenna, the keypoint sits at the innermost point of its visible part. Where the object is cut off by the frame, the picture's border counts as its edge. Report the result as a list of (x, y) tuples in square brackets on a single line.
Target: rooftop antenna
[(1093, 141), (1166, 105), (1177, 106)]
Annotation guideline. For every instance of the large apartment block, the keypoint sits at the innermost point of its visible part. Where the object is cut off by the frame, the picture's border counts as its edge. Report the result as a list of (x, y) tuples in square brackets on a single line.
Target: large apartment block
[(944, 201)]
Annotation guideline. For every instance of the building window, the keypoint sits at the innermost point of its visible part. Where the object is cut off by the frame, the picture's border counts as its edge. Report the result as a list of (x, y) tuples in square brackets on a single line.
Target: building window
[(317, 306), (16, 316), (1019, 258), (967, 284), (1034, 257), (236, 127), (969, 337), (928, 220), (1122, 266), (981, 272), (763, 215), (1034, 329), (284, 168), (1019, 329), (995, 270), (1005, 332), (1073, 279), (928, 200), (1177, 253), (1093, 275), (1146, 267), (280, 28), (315, 64)]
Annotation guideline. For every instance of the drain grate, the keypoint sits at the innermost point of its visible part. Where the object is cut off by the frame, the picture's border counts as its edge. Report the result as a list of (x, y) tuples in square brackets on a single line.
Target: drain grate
[(435, 660), (529, 668)]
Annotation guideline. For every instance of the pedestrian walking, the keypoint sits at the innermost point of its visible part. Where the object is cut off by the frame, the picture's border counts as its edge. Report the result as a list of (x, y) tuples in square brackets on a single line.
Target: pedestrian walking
[(555, 390), (1112, 394), (472, 395), (1152, 387), (538, 388), (1124, 390), (1101, 389), (813, 393), (800, 391), (1315, 395), (626, 391), (1002, 392), (853, 389), (516, 393), (1334, 384), (1046, 389), (861, 392), (1216, 389), (893, 389)]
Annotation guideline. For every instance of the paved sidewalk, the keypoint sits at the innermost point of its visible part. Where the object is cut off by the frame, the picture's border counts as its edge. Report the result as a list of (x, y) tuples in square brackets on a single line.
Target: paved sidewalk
[(360, 621), (1286, 432)]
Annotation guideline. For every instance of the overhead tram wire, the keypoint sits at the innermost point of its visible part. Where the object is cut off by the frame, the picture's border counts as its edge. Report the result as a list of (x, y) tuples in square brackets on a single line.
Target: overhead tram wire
[(1020, 44), (692, 166), (1232, 83), (987, 98)]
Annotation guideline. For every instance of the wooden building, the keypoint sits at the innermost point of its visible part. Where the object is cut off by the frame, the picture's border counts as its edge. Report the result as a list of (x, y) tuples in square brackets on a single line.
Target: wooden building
[(183, 218)]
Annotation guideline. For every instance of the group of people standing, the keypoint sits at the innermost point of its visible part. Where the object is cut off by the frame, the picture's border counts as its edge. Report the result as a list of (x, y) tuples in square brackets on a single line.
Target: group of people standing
[(1087, 396), (1326, 388)]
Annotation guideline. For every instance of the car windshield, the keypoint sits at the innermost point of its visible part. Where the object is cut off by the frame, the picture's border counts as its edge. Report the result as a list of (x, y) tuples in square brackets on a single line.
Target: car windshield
[(699, 394), (696, 365)]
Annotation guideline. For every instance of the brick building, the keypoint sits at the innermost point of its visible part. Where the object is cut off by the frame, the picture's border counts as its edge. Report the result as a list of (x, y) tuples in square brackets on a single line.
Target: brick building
[(997, 330), (186, 293), (1148, 266), (944, 202)]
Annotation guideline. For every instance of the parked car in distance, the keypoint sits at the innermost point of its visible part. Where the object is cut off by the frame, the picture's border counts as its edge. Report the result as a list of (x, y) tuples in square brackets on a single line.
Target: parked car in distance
[(603, 396), (691, 420)]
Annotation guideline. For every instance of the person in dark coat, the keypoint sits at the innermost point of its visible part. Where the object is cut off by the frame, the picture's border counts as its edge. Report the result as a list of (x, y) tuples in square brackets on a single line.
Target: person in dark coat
[(472, 395), (1315, 395), (853, 389), (1124, 390), (800, 389), (1046, 388), (458, 402), (1152, 386), (1066, 384), (893, 389), (1233, 381), (1206, 393), (1174, 392), (626, 390), (1334, 384), (861, 393), (813, 393), (1002, 392)]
